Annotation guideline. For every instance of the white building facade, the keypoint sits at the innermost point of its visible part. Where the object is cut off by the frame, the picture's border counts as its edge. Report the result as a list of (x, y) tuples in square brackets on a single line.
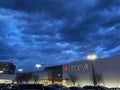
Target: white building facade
[(109, 69), (7, 78)]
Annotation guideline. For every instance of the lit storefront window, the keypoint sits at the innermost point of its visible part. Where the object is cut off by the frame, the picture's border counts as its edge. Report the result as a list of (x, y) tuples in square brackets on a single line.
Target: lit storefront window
[(1, 71)]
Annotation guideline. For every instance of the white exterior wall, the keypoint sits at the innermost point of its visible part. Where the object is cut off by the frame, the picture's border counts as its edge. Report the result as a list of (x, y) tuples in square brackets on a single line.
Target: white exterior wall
[(43, 75), (109, 68), (7, 78)]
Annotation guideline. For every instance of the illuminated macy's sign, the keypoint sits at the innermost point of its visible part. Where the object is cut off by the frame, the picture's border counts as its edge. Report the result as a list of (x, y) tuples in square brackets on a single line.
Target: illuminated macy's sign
[(77, 67)]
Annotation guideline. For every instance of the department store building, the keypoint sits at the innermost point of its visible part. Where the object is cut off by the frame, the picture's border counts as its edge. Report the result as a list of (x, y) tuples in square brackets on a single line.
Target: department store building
[(108, 68)]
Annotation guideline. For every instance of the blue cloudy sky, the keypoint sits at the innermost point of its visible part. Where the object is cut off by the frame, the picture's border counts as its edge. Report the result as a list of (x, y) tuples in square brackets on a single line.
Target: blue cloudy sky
[(53, 32)]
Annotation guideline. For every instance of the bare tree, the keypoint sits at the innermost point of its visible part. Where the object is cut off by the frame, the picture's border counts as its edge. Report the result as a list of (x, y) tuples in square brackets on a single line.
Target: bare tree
[(35, 77), (27, 77), (73, 77), (19, 78), (96, 78)]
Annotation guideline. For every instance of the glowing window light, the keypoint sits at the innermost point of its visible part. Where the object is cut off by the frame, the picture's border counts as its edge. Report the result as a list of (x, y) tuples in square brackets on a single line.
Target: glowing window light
[(1, 71)]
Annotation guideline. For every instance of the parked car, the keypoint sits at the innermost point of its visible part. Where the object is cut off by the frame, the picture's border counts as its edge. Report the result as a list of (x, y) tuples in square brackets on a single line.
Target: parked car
[(14, 87), (114, 88), (7, 87), (60, 87), (50, 88), (75, 88), (30, 87), (95, 88), (2, 86)]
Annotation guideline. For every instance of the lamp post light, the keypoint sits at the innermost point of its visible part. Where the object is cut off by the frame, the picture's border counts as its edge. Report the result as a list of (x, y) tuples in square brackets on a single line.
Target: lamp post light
[(91, 58), (20, 70), (38, 67)]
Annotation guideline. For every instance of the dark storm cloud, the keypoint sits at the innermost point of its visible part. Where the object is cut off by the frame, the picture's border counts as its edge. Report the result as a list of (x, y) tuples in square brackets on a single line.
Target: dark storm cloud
[(41, 31), (5, 49), (114, 20), (43, 27), (105, 41), (102, 13), (51, 7), (56, 7), (80, 30), (111, 34), (107, 4)]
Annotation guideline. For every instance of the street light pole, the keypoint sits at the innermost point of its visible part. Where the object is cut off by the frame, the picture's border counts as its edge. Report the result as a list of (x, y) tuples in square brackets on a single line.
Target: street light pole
[(91, 58), (38, 67), (20, 70)]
